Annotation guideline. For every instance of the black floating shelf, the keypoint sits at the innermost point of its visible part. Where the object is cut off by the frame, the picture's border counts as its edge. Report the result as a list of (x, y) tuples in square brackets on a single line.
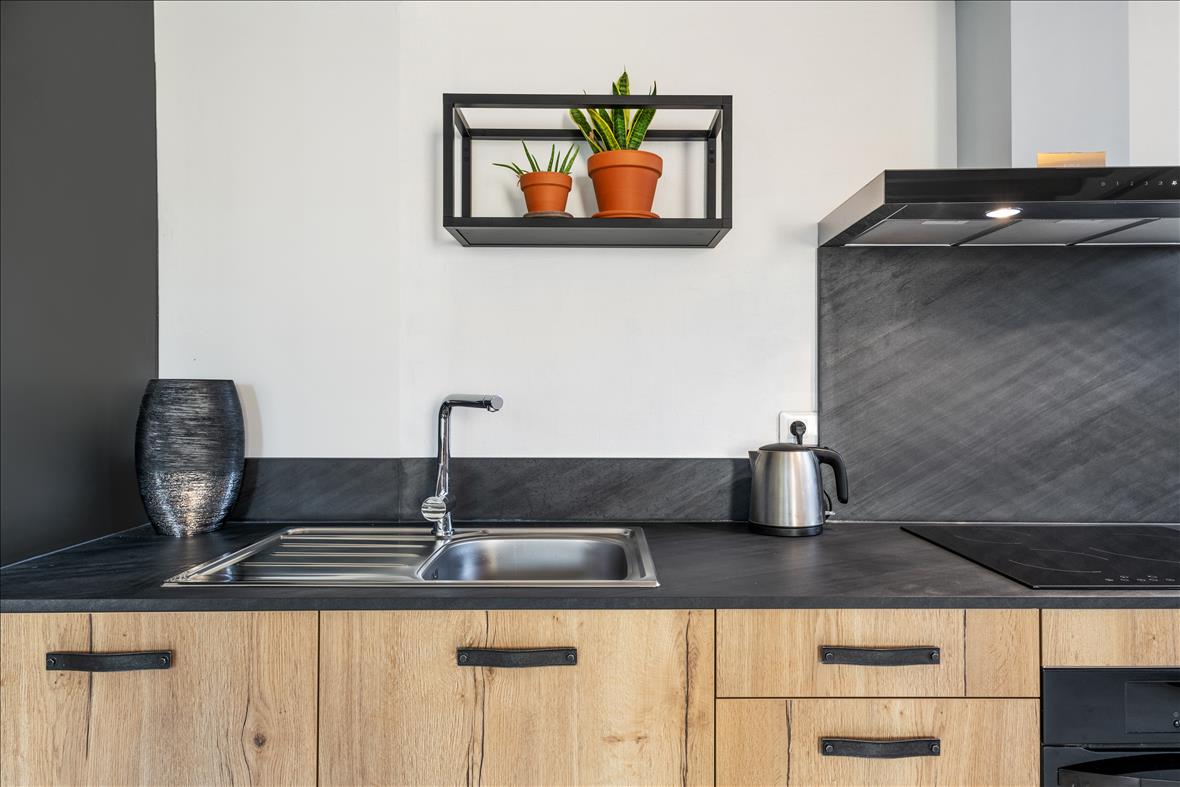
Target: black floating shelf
[(716, 140)]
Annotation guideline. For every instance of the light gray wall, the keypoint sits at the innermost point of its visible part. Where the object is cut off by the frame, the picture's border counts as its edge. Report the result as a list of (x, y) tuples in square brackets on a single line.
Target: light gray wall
[(1043, 76), (78, 242), (1154, 31), (1070, 79), (983, 59)]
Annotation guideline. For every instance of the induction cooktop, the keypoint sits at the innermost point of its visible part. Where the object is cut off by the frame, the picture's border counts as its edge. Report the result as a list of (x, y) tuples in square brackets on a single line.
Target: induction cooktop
[(1130, 557)]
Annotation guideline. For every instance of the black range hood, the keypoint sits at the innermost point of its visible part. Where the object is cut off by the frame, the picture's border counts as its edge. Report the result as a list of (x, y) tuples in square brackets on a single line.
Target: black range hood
[(1118, 206)]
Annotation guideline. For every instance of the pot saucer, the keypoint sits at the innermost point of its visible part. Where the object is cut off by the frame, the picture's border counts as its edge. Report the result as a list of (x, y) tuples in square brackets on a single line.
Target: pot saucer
[(625, 214), (548, 214)]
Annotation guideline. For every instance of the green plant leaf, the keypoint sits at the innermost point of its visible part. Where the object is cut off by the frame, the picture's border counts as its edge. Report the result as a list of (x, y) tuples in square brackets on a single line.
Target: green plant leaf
[(529, 156), (515, 169), (567, 163), (552, 153), (605, 132), (643, 119), (619, 120), (587, 130), (624, 84)]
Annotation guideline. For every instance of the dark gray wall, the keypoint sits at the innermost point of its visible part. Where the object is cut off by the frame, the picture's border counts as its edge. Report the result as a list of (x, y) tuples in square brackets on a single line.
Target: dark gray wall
[(493, 489), (78, 235), (1003, 384)]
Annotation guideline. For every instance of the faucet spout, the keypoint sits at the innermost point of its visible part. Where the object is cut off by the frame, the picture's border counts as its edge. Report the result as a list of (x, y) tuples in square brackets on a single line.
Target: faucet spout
[(437, 508)]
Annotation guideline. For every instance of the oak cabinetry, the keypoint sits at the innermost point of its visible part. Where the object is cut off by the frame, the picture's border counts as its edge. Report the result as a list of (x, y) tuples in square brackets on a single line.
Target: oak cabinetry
[(1111, 637), (753, 738), (983, 742), (834, 697), (396, 707), (877, 653), (237, 703), (638, 703)]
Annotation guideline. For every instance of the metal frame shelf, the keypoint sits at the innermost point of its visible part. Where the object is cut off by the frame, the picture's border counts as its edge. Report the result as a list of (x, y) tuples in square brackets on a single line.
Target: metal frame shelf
[(581, 232)]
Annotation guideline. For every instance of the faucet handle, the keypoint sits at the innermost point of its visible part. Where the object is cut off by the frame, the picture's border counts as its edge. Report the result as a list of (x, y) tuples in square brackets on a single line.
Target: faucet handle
[(435, 508)]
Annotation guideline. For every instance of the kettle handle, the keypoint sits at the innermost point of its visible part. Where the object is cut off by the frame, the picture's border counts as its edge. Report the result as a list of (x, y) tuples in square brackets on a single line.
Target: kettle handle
[(827, 456)]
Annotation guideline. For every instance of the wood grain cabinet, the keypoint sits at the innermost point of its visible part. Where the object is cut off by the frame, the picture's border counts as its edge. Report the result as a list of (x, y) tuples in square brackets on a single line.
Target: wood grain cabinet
[(1111, 637), (841, 742), (232, 702), (398, 706), (877, 653)]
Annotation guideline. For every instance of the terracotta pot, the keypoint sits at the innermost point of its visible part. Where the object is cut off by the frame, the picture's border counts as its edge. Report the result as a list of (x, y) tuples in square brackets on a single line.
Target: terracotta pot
[(625, 183), (545, 191)]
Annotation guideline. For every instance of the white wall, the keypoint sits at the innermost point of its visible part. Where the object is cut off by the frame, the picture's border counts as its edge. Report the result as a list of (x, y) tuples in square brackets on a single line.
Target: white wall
[(278, 192), (301, 243), (1154, 43)]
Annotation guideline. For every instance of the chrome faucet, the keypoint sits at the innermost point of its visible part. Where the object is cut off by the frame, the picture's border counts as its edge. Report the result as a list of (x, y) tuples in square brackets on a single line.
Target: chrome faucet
[(437, 508)]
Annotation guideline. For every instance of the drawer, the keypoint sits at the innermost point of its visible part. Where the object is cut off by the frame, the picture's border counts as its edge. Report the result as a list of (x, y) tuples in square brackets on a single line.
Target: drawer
[(877, 653), (1111, 637), (986, 742)]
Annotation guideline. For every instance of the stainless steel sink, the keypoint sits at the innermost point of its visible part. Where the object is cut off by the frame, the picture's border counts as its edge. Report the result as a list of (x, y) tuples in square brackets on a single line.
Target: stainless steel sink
[(390, 556)]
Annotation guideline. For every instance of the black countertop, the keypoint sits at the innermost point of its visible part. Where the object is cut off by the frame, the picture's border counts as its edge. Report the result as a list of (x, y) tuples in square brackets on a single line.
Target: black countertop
[(699, 566)]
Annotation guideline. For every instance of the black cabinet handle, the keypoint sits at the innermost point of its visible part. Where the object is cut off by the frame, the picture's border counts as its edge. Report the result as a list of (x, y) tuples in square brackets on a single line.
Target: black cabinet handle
[(535, 657), (880, 657), (880, 750), (109, 662)]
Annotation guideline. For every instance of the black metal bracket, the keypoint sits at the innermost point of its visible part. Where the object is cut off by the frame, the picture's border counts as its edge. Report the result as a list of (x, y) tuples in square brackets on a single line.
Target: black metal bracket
[(512, 659), (707, 231), (880, 749), (109, 662), (880, 657)]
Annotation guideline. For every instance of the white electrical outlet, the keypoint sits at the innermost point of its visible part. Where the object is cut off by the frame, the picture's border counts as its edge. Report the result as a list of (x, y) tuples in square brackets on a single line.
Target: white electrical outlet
[(811, 420)]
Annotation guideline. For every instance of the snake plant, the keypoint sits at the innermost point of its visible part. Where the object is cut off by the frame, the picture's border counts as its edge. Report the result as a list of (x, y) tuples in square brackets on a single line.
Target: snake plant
[(615, 129), (557, 162)]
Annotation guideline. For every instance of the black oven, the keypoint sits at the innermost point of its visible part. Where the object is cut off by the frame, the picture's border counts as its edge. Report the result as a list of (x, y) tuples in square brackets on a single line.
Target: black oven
[(1110, 727)]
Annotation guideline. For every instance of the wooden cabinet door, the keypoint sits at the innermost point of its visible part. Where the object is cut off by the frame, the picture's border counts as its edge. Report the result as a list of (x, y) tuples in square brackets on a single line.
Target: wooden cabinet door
[(237, 705), (396, 707)]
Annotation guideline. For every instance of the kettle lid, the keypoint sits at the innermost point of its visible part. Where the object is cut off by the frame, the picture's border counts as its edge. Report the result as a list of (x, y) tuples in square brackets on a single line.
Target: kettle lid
[(787, 447)]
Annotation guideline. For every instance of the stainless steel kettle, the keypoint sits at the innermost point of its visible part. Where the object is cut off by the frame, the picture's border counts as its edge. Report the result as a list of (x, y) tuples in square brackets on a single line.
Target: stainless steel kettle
[(787, 492)]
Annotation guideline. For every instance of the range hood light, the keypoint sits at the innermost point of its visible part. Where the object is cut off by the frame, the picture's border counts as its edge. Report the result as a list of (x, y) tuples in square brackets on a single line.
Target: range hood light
[(1003, 213)]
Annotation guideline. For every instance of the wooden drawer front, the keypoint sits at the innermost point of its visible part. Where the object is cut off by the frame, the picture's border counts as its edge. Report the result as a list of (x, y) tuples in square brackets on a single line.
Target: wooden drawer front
[(986, 742), (777, 653), (1111, 637), (236, 704)]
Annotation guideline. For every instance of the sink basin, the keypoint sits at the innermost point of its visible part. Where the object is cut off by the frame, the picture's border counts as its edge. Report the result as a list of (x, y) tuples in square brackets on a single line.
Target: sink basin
[(529, 558), (381, 556)]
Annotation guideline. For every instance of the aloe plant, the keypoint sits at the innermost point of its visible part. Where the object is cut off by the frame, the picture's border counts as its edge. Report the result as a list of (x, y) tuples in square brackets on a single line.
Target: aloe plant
[(615, 129), (557, 162)]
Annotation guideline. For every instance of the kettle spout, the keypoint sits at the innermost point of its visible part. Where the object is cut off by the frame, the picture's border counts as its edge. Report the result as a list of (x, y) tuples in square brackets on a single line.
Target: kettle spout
[(753, 457)]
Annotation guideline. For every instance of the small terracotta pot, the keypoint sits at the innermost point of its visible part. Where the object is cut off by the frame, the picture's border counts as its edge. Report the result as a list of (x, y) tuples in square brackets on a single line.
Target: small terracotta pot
[(545, 191), (625, 183)]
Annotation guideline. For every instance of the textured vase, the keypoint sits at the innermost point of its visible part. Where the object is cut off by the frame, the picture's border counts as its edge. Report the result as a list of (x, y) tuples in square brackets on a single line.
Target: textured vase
[(189, 453)]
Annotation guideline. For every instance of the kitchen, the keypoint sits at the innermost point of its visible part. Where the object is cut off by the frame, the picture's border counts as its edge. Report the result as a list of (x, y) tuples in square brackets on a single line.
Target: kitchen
[(575, 572)]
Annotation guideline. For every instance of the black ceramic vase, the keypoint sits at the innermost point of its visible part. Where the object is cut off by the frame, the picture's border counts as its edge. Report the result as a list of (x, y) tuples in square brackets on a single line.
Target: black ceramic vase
[(189, 453)]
